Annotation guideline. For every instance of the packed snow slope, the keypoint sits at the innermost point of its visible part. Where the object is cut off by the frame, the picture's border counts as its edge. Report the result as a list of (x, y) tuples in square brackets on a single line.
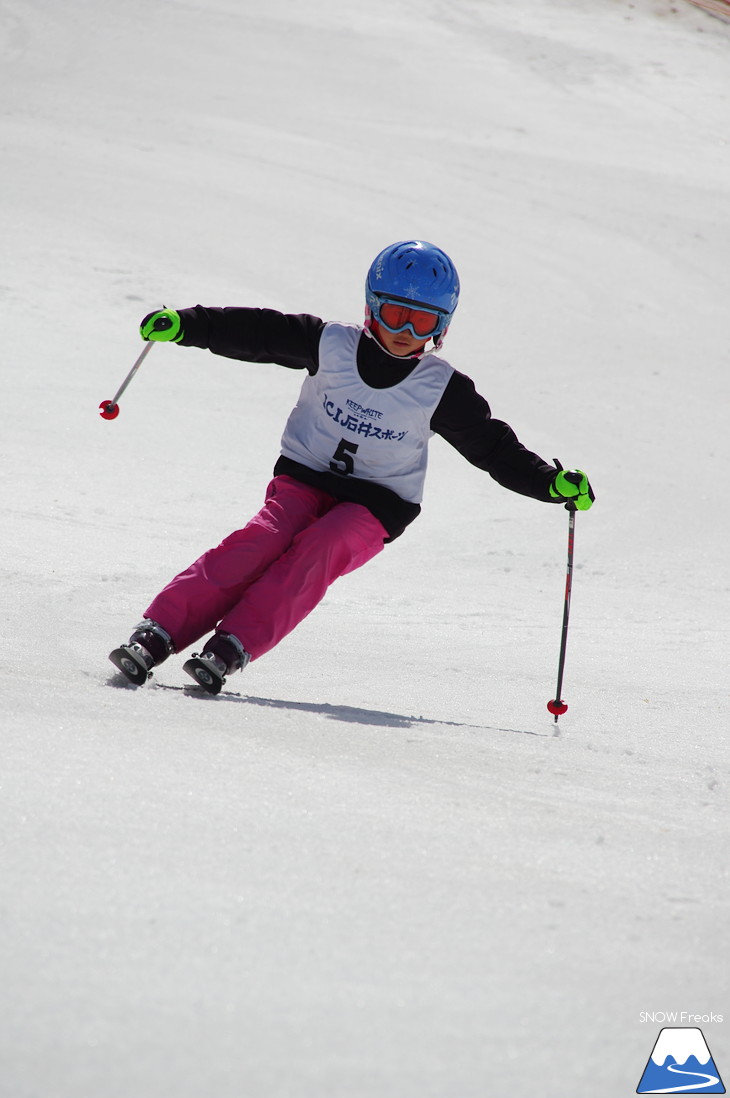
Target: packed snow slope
[(375, 868)]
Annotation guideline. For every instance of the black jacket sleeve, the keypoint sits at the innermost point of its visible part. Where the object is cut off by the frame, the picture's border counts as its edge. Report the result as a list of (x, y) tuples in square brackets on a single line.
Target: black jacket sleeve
[(464, 419), (254, 335)]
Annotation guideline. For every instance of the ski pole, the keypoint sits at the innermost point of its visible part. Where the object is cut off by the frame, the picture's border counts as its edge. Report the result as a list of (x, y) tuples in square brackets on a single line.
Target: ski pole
[(110, 408), (557, 706)]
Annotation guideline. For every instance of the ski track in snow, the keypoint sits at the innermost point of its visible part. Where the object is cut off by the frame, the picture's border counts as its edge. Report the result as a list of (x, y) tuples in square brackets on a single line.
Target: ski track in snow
[(375, 867)]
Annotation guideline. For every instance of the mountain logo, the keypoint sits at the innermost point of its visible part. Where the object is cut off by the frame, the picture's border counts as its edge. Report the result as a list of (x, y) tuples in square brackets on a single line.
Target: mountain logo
[(680, 1063)]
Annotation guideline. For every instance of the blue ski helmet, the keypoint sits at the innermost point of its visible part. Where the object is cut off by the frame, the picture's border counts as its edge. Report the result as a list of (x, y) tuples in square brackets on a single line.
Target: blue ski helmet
[(413, 272)]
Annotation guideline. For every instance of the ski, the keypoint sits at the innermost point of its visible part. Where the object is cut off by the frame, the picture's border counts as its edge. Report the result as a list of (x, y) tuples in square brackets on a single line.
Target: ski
[(203, 668), (129, 660)]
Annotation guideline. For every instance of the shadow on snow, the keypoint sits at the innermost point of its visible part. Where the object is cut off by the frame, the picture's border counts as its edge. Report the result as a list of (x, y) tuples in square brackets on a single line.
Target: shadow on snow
[(348, 713)]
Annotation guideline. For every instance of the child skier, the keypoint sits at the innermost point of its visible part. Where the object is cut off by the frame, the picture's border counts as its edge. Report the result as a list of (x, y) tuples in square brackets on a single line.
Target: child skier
[(352, 465)]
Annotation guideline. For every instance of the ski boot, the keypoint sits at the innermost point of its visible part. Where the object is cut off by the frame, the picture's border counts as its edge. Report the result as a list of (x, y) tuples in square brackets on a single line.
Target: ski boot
[(149, 645), (222, 655)]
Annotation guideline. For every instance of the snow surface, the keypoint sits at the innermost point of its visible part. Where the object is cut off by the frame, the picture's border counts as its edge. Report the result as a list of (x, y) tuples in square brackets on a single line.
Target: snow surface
[(376, 868)]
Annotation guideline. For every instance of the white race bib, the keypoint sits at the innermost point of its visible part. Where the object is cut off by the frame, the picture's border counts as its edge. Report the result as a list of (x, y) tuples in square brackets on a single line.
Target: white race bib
[(341, 425)]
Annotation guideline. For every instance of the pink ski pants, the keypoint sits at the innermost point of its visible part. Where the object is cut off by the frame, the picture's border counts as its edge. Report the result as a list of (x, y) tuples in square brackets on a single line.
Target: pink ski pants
[(261, 581)]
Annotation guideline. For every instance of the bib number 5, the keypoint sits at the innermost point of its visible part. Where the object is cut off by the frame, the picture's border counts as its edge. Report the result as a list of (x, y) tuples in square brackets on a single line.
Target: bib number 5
[(342, 460)]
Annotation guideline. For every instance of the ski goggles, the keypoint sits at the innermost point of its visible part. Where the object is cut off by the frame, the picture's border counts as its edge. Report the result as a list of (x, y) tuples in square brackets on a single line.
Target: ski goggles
[(422, 323)]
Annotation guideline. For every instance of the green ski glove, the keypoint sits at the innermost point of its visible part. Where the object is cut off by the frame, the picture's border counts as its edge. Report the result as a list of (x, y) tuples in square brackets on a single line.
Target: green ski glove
[(573, 486), (164, 326)]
